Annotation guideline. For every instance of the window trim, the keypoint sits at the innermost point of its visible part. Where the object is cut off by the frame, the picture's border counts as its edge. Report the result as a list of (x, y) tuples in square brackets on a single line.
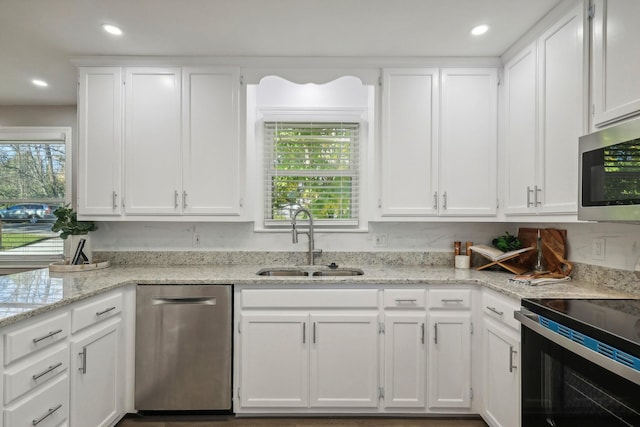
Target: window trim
[(35, 134)]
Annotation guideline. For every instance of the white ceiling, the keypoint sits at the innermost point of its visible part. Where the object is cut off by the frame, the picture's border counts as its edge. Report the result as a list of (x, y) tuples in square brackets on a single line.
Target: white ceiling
[(39, 37)]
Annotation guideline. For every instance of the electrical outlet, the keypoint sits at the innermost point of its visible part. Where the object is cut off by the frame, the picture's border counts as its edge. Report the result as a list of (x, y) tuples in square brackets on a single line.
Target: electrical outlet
[(380, 240), (196, 240), (597, 249)]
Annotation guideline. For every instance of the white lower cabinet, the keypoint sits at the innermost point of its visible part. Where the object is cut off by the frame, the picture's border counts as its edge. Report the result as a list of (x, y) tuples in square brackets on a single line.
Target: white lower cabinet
[(46, 407), (405, 349), (308, 349), (449, 348), (501, 356), (274, 360), (96, 383), (344, 360)]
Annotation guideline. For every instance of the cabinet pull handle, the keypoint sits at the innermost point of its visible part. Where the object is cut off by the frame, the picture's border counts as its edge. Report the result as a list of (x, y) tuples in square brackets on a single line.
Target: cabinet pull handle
[(115, 200), (496, 311), (175, 199), (304, 332), (406, 300), (314, 332), (46, 371), (444, 200), (451, 300), (49, 335), (435, 200), (49, 412), (511, 353), (529, 191), (536, 200), (422, 333), (83, 356), (105, 311), (184, 199), (435, 333)]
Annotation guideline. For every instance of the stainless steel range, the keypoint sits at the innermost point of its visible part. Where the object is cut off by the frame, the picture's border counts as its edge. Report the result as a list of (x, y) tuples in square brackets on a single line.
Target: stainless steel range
[(580, 362)]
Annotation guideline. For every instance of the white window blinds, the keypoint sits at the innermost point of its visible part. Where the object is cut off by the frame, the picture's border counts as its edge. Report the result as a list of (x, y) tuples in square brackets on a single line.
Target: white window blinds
[(315, 166)]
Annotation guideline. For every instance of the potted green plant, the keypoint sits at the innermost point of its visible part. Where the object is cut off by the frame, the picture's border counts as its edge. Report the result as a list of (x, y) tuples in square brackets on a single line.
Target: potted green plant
[(71, 230)]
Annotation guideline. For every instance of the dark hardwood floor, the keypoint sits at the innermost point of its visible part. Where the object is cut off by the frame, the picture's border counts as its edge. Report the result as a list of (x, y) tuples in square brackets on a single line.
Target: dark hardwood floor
[(230, 421)]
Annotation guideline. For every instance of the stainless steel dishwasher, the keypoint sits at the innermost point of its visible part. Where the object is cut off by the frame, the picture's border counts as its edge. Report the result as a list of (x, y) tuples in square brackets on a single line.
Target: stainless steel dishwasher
[(183, 348)]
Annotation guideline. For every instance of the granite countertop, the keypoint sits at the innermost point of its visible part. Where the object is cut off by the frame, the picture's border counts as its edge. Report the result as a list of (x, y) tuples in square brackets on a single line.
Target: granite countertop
[(27, 294)]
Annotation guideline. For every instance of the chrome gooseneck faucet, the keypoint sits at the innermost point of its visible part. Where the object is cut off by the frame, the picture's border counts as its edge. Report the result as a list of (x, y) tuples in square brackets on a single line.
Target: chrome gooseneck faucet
[(309, 233)]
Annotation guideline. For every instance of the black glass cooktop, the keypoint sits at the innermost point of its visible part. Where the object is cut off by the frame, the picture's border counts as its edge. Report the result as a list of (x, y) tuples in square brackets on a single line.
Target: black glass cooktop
[(613, 321)]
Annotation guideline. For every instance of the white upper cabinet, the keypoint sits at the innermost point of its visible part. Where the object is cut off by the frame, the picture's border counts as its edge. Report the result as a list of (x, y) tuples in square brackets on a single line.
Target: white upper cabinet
[(152, 141), (409, 142), (468, 142), (439, 143), (544, 116), (616, 60), (211, 141), (100, 141), (165, 146)]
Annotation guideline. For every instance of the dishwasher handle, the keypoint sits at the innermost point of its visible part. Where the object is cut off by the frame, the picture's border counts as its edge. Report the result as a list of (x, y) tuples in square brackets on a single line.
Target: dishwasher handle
[(184, 300)]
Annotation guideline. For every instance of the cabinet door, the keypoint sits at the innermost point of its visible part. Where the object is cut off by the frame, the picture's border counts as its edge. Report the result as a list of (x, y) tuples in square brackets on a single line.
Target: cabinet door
[(153, 141), (100, 141), (344, 360), (409, 135), (96, 383), (405, 360), (274, 360), (615, 83), (561, 115), (468, 142), (211, 141), (501, 397), (450, 360), (520, 131)]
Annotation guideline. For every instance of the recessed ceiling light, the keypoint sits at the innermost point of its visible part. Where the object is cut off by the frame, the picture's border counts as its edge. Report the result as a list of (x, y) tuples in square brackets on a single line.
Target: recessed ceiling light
[(39, 82), (479, 30), (112, 29)]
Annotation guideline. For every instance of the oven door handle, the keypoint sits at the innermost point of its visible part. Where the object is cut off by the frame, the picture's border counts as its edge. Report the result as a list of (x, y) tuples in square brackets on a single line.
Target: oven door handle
[(530, 320)]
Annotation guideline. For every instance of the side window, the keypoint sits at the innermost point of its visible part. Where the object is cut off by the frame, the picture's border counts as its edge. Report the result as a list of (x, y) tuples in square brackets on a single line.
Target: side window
[(34, 181)]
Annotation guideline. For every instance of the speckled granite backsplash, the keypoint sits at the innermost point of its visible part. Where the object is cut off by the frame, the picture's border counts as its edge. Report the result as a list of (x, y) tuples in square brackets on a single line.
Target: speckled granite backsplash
[(626, 281)]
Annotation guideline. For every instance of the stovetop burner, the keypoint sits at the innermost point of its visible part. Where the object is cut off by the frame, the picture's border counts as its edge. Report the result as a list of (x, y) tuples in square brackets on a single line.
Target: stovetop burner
[(613, 321)]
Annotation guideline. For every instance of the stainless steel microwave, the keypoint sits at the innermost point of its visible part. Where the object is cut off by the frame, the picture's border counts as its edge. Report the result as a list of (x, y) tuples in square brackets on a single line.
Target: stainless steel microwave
[(609, 178)]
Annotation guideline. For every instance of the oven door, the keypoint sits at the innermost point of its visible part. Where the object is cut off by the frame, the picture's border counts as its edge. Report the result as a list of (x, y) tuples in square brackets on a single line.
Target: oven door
[(563, 388)]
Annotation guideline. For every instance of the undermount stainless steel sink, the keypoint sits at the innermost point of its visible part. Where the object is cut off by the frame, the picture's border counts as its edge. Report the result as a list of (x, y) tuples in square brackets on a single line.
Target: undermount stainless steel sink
[(339, 272), (281, 272), (309, 271)]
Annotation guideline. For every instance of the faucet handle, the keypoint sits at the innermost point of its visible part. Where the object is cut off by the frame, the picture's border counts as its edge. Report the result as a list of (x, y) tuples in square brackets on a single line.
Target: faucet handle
[(294, 233)]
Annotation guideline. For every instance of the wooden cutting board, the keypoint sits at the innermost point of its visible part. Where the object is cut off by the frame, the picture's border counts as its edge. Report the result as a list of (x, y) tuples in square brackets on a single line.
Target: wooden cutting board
[(554, 250)]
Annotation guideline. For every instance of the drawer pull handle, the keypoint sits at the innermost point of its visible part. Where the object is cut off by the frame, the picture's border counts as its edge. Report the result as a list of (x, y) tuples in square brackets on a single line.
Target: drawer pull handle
[(496, 311), (46, 371), (451, 300), (49, 412), (83, 356), (49, 335), (105, 311), (511, 354), (435, 333), (304, 332), (406, 300), (422, 333)]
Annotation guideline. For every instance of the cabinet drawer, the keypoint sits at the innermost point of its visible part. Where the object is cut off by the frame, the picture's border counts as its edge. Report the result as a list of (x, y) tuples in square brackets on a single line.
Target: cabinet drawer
[(450, 299), (33, 374), (47, 407), (500, 307), (37, 336), (310, 298), (95, 311), (404, 298)]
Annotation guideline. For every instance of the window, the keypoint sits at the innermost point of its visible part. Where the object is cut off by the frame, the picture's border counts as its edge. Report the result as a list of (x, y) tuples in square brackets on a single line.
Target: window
[(33, 183), (315, 166)]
